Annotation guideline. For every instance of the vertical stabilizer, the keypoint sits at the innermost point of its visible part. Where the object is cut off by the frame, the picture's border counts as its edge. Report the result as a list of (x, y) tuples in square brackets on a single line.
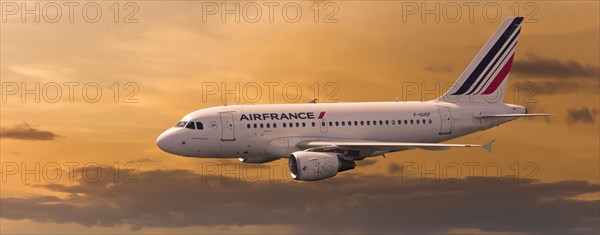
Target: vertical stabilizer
[(484, 80)]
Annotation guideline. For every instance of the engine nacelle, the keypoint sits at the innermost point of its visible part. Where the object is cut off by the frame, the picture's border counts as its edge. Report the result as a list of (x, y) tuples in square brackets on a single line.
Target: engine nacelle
[(310, 166), (258, 159)]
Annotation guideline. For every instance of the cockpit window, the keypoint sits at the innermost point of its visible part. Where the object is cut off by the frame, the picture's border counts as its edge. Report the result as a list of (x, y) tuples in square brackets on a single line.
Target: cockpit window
[(199, 126), (180, 124), (191, 125)]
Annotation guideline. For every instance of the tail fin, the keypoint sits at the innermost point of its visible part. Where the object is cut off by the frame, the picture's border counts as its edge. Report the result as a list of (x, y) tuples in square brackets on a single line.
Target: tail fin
[(484, 80)]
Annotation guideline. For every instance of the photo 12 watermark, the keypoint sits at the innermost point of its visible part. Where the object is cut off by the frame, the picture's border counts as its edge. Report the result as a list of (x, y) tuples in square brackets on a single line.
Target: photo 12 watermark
[(467, 11), (69, 11), (453, 172), (521, 92), (53, 92), (269, 92), (53, 172), (270, 11)]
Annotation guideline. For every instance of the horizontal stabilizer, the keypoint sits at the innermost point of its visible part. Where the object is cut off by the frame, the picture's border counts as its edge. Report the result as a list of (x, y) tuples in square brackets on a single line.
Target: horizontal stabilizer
[(512, 115), (488, 146)]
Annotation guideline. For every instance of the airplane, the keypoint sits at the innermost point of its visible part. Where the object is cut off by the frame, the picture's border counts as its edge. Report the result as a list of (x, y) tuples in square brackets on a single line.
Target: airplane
[(323, 139)]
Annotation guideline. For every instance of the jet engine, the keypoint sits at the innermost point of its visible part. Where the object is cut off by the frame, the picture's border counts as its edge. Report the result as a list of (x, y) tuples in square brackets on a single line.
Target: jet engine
[(258, 159), (310, 166)]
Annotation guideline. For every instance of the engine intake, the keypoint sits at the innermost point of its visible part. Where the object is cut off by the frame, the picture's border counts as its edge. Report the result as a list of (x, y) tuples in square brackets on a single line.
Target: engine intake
[(310, 166)]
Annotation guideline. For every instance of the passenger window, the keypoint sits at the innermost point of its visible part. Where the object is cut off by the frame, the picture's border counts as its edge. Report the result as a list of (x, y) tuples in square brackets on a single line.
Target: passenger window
[(254, 125), (350, 123), (417, 121), (387, 122), (274, 125), (330, 123), (368, 123), (297, 124), (411, 121), (248, 125), (343, 123), (405, 122), (356, 123), (284, 125), (429, 121), (261, 125), (190, 125), (303, 124), (423, 121), (268, 125), (362, 123), (313, 124), (199, 126), (337, 123)]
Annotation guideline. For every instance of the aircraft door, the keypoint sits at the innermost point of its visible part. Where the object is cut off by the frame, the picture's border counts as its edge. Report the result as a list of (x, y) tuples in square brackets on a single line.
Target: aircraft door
[(323, 124), (446, 120), (227, 127)]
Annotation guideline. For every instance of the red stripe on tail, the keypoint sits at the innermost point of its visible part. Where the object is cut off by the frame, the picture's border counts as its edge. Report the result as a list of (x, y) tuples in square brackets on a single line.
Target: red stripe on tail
[(500, 77)]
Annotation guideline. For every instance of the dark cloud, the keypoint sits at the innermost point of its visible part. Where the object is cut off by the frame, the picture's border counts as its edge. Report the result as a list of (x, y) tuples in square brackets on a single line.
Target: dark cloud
[(26, 132), (435, 68), (535, 107), (529, 90), (394, 168), (584, 115), (146, 160), (547, 76), (548, 67), (346, 203)]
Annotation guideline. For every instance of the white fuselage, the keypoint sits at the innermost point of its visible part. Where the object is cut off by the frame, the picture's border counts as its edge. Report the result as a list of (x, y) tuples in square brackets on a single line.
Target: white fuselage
[(259, 131)]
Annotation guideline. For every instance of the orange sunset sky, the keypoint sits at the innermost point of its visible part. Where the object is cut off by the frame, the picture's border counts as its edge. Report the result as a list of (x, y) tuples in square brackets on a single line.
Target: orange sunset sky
[(152, 61)]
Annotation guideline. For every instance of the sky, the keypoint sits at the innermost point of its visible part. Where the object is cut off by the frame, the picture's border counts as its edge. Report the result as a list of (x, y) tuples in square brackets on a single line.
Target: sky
[(86, 92)]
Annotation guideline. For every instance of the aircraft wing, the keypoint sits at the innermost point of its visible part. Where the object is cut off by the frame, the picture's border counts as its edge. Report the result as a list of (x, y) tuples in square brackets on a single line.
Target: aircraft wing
[(383, 146)]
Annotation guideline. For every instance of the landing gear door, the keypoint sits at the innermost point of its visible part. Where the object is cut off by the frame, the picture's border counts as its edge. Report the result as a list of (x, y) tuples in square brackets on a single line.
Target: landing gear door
[(446, 121), (227, 127)]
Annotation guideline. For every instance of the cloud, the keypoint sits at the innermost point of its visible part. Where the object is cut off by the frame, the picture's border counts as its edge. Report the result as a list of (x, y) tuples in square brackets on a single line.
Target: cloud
[(394, 168), (373, 204), (550, 87), (26, 132), (146, 160), (535, 107), (548, 76), (584, 115), (548, 67)]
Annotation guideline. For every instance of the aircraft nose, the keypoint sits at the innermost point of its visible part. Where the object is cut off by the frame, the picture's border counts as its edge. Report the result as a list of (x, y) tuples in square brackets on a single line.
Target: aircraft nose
[(164, 142)]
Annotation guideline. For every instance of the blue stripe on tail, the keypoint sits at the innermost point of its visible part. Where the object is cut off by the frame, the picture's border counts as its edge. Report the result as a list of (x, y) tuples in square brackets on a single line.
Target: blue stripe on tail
[(488, 57)]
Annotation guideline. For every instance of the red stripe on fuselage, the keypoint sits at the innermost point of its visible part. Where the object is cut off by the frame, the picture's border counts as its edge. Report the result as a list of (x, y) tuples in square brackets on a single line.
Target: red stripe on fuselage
[(321, 115)]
